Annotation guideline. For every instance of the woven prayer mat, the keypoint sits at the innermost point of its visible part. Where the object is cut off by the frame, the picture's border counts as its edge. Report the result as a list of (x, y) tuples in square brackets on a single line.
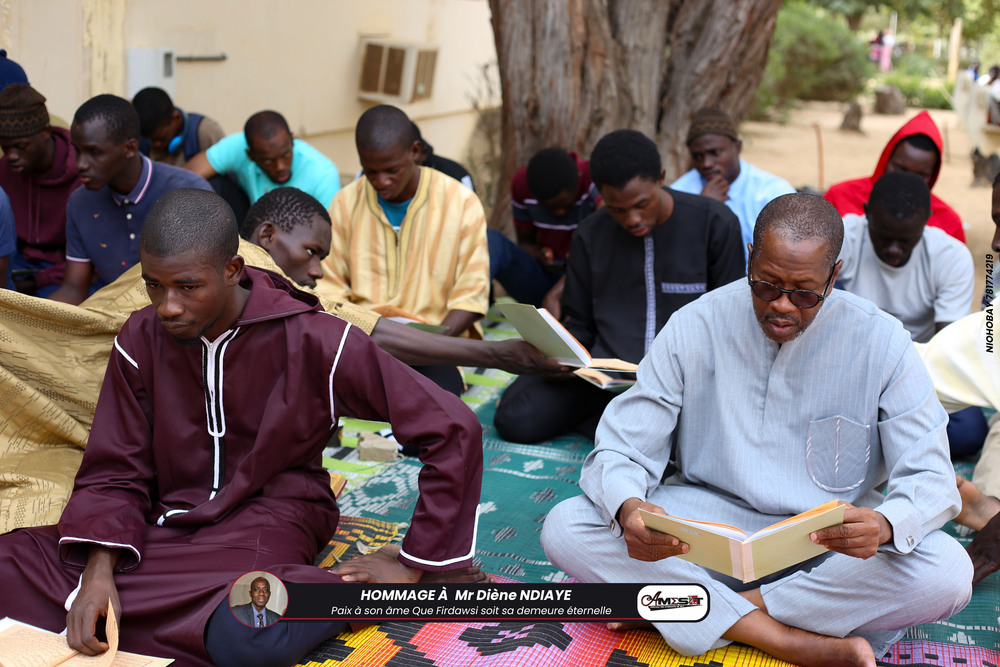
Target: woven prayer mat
[(509, 644), (407, 644), (520, 485), (978, 624), (356, 536), (909, 652)]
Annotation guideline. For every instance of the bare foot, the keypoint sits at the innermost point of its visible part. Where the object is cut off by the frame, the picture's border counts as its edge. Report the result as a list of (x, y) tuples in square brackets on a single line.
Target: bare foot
[(467, 575), (837, 652), (800, 647), (622, 626), (808, 649), (378, 567), (383, 567), (977, 507), (985, 551)]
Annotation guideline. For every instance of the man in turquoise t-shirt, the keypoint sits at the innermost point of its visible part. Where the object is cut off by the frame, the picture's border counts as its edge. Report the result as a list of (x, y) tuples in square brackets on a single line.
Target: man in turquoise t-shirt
[(265, 157)]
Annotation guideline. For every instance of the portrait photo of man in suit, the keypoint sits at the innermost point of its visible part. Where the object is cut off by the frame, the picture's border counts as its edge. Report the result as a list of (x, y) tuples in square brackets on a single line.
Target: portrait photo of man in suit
[(255, 613)]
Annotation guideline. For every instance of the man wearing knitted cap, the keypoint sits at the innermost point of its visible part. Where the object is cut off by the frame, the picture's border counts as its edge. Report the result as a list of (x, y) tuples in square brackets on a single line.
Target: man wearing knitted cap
[(719, 172), (38, 172)]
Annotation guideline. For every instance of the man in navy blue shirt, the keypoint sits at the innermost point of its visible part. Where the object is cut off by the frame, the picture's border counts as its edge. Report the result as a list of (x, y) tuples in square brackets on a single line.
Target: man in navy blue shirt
[(104, 218)]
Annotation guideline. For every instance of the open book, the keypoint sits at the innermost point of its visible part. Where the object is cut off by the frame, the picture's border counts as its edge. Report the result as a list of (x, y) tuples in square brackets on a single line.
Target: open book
[(729, 550), (539, 328), (611, 383), (24, 645)]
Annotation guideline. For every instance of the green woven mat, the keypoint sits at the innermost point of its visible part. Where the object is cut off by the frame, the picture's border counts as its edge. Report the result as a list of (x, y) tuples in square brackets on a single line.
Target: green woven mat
[(978, 624), (521, 483), (484, 386)]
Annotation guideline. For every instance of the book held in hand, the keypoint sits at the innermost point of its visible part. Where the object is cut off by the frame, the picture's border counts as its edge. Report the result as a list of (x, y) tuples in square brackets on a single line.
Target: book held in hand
[(23, 645), (613, 383), (538, 327), (729, 550)]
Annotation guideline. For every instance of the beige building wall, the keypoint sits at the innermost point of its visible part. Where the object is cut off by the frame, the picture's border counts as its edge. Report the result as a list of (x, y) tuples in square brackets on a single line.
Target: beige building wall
[(299, 57)]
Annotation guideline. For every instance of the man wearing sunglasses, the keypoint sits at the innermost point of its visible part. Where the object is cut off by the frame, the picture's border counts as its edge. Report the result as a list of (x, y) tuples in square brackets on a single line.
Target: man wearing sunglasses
[(772, 398)]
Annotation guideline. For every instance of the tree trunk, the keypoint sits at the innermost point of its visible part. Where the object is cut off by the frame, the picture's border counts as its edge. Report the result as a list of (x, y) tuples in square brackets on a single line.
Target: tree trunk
[(573, 70), (854, 20)]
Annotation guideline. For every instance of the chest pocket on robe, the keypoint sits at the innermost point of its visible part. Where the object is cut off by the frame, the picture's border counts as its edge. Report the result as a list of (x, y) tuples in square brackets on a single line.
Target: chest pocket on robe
[(837, 452)]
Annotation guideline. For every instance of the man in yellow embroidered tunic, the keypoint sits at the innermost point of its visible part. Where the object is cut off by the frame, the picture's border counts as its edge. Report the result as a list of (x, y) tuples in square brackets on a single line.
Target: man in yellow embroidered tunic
[(407, 239)]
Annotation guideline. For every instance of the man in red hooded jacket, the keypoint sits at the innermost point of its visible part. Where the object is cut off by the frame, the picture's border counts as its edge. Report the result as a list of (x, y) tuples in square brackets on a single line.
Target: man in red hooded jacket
[(38, 172), (916, 148)]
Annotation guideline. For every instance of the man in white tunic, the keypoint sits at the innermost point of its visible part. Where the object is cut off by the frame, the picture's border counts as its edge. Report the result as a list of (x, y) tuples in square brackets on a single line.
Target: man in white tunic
[(771, 399), (917, 273)]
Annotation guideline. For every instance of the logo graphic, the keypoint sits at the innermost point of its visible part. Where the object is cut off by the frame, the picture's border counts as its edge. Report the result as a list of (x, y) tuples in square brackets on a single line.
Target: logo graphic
[(676, 602)]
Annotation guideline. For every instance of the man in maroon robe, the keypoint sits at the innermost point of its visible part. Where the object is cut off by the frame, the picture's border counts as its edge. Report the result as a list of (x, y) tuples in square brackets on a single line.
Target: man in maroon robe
[(204, 458)]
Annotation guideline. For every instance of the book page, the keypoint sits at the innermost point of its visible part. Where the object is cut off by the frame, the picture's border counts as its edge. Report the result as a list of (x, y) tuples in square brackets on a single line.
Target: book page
[(28, 646), (712, 545), (614, 365), (728, 550), (25, 646), (819, 509), (545, 333), (107, 658), (579, 351), (777, 549), (603, 380), (660, 522)]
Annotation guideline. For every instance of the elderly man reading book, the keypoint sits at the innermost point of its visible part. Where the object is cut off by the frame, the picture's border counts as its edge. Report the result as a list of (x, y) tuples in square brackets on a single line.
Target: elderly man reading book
[(772, 398)]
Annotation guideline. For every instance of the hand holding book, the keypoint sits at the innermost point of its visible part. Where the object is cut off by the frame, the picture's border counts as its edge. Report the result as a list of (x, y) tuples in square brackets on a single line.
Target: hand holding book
[(642, 542), (729, 550), (859, 536)]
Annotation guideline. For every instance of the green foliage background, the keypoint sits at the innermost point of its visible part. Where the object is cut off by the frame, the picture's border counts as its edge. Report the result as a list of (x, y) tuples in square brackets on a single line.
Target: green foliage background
[(813, 56), (820, 48)]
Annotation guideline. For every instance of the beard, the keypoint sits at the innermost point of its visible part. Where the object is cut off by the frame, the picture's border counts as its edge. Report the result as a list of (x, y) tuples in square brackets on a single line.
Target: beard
[(781, 319)]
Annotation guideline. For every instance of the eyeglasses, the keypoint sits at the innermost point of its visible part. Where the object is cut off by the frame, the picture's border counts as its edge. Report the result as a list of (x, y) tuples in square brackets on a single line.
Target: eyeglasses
[(800, 298)]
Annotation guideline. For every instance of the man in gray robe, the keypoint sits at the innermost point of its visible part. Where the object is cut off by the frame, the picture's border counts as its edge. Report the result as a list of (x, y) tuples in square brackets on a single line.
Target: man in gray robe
[(771, 399)]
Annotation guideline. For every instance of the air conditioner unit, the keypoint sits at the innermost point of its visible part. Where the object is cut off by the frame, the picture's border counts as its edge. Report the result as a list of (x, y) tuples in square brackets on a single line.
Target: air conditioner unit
[(151, 67), (396, 72)]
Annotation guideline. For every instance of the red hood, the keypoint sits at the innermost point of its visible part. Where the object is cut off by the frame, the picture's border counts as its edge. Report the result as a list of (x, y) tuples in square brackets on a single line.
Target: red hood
[(922, 123), (273, 304)]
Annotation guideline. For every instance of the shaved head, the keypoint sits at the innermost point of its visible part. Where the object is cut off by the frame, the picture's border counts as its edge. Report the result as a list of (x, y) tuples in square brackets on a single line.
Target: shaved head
[(187, 219), (800, 217), (264, 125), (384, 128)]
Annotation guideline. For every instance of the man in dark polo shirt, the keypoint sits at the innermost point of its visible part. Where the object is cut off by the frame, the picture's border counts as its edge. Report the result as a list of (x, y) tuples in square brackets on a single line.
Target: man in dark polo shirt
[(104, 218)]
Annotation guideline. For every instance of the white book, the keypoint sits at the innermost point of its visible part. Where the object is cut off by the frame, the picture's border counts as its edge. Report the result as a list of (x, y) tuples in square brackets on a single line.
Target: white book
[(538, 327)]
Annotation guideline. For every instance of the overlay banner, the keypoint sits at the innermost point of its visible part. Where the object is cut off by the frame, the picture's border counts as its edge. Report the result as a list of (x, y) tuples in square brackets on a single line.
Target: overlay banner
[(497, 602)]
